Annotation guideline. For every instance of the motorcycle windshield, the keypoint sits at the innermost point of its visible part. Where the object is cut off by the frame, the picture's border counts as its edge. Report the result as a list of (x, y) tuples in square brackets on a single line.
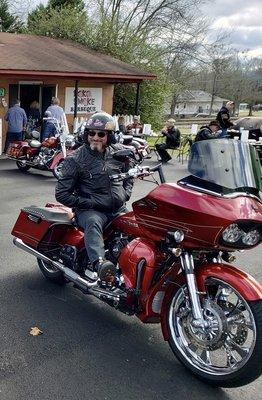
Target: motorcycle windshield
[(227, 165)]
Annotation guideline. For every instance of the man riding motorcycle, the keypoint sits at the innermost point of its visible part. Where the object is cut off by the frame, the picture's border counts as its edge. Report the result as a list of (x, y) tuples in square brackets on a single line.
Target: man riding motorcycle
[(85, 186)]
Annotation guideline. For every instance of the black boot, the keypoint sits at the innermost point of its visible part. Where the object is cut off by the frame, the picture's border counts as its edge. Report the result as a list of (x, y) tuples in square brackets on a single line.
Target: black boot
[(105, 269)]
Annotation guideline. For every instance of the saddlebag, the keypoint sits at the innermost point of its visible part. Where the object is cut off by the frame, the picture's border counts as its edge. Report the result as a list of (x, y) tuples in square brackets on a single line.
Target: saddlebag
[(17, 149), (37, 223)]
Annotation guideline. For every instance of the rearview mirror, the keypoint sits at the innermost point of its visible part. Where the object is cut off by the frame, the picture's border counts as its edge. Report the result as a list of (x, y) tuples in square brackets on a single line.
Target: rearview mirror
[(123, 155)]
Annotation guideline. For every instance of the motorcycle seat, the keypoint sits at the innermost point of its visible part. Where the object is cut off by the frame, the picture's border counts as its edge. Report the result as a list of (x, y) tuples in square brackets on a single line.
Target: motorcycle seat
[(49, 214), (34, 143)]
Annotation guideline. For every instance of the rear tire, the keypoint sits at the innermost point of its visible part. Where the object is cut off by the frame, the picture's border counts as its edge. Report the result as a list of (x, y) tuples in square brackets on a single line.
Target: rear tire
[(22, 166), (200, 358), (51, 273)]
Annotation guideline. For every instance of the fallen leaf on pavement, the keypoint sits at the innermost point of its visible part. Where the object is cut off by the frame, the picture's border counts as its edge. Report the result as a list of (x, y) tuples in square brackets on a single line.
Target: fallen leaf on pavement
[(35, 331)]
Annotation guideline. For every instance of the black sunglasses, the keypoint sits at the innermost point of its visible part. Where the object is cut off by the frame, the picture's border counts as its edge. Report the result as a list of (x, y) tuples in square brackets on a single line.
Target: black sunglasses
[(100, 134)]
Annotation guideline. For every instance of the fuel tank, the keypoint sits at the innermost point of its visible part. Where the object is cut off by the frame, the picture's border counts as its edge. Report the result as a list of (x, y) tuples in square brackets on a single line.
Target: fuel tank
[(201, 216)]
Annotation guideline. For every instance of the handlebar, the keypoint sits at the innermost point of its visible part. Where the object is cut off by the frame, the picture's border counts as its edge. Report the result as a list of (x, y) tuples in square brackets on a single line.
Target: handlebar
[(139, 172)]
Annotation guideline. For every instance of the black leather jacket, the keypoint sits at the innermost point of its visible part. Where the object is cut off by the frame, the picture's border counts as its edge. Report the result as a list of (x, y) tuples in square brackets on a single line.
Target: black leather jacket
[(204, 134), (172, 137), (223, 117), (85, 184)]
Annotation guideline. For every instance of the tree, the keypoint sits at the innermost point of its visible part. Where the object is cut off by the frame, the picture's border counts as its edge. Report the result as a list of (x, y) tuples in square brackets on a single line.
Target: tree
[(67, 22), (145, 33), (8, 22), (57, 4)]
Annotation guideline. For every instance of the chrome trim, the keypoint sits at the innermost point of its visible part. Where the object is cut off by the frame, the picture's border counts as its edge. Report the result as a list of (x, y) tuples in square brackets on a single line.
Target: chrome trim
[(68, 273), (187, 263), (227, 196)]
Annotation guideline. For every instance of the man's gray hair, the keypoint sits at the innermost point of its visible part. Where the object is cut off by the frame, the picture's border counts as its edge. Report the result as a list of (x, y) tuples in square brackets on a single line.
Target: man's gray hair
[(55, 101)]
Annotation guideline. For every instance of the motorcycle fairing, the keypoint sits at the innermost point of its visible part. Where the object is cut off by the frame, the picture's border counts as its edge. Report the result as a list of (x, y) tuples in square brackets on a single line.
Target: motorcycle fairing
[(201, 216)]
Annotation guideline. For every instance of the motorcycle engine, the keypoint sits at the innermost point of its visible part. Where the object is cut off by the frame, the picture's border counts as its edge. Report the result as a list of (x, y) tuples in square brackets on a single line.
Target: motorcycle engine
[(115, 247), (44, 156)]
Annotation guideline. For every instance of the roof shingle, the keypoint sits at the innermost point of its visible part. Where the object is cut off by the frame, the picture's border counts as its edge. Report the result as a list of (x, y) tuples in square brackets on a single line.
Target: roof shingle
[(44, 54)]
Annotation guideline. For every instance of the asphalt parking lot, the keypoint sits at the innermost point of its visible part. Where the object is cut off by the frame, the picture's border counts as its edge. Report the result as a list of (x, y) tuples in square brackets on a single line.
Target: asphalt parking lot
[(87, 350)]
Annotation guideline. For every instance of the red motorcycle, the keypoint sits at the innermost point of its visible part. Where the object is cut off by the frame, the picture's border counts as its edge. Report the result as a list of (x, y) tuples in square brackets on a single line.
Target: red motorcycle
[(46, 155), (173, 253)]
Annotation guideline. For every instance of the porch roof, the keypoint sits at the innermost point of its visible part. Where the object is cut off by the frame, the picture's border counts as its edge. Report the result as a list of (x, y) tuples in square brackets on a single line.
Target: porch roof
[(41, 56)]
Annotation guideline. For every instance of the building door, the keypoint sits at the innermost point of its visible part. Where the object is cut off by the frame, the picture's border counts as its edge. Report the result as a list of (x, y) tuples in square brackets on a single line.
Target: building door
[(13, 95), (28, 94), (47, 93)]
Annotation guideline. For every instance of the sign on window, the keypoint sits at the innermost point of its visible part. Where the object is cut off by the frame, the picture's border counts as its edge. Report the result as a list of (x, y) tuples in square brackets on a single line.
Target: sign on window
[(89, 100)]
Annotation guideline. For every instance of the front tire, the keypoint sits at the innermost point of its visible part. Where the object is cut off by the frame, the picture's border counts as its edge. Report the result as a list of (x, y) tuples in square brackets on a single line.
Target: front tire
[(228, 352), (22, 166), (51, 273)]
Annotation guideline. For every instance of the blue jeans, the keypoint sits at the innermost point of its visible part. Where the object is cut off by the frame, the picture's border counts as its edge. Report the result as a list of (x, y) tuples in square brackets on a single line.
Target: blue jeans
[(93, 222), (48, 130), (10, 137)]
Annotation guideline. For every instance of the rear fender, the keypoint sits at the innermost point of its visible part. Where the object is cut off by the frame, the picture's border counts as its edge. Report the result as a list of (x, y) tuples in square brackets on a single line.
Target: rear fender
[(57, 158), (244, 283)]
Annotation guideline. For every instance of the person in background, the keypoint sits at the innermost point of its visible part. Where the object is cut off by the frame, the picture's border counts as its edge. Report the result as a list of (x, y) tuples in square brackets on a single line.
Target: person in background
[(209, 131), (223, 117), (136, 127), (55, 109), (172, 135), (49, 127), (34, 116), (121, 125), (17, 120)]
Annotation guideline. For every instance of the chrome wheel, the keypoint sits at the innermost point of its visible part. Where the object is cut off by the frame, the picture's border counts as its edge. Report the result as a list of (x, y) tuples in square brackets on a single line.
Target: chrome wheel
[(226, 342)]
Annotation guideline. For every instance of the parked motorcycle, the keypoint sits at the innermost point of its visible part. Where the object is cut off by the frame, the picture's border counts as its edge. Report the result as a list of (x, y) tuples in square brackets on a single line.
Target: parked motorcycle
[(173, 254), (137, 144), (46, 155)]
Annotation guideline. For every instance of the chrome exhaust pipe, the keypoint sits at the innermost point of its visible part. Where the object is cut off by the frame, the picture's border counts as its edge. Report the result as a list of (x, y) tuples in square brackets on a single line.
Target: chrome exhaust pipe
[(72, 276)]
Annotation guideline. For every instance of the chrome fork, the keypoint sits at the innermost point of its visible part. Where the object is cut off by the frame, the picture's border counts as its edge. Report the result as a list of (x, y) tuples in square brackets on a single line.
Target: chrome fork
[(187, 263)]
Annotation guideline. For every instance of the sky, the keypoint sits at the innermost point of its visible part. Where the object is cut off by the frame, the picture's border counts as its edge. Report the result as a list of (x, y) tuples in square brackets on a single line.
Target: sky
[(243, 18)]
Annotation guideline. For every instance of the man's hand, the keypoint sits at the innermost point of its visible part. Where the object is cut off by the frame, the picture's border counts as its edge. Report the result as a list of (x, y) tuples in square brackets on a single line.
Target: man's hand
[(71, 214)]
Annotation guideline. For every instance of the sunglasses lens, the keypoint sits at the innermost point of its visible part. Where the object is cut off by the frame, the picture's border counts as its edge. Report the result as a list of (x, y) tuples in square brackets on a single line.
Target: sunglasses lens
[(99, 134)]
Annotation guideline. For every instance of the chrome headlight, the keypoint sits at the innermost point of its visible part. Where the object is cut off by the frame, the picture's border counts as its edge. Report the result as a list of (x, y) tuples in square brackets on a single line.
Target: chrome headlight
[(232, 233), (251, 238), (242, 234)]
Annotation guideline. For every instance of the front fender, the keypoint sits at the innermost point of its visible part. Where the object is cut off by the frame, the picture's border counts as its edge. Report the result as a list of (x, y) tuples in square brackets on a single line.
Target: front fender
[(244, 283)]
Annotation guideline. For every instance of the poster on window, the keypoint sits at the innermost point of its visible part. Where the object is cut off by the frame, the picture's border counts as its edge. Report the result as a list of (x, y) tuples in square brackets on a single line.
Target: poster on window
[(89, 100)]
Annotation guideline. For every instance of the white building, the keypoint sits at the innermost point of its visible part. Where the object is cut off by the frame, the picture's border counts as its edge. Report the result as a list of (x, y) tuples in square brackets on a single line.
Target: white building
[(192, 102)]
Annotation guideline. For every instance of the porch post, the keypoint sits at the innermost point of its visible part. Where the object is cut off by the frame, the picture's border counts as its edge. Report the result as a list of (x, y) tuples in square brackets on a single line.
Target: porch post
[(137, 98), (75, 98)]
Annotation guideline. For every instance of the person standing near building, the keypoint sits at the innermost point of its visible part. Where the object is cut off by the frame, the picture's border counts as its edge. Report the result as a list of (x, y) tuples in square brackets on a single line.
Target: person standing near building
[(17, 120), (223, 117), (55, 109)]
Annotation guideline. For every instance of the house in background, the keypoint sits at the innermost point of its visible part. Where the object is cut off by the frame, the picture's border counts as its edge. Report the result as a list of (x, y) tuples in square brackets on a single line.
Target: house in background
[(36, 68), (193, 102)]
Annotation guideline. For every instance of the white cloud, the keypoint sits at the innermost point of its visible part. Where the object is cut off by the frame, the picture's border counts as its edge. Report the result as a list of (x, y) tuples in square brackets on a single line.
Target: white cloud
[(242, 18)]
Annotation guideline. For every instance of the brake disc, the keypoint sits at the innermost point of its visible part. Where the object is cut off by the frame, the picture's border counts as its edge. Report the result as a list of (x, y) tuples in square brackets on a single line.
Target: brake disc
[(212, 336)]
